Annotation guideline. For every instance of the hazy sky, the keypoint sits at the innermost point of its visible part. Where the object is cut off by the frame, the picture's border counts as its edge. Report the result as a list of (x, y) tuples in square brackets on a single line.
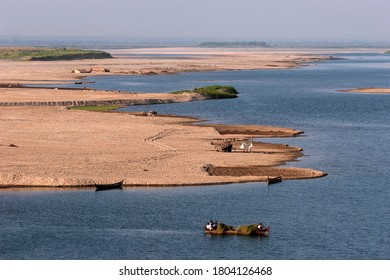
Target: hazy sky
[(345, 20)]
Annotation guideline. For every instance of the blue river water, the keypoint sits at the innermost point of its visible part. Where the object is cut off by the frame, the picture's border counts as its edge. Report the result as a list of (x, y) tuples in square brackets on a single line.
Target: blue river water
[(345, 215)]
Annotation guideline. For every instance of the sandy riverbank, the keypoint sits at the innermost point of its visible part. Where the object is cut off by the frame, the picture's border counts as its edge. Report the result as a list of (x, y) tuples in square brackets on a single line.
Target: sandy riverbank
[(53, 146), (155, 61), (368, 90)]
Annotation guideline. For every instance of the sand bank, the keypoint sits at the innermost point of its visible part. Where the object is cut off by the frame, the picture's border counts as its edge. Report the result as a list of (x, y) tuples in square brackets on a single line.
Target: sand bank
[(368, 90), (149, 61), (43, 144), (53, 146), (63, 97)]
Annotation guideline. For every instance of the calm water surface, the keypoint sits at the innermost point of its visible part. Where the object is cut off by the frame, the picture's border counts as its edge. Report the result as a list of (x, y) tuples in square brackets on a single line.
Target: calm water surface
[(342, 216)]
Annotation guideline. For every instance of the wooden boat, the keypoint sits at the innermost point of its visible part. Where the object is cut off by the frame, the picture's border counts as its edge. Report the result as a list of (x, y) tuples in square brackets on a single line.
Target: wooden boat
[(103, 187), (273, 180), (259, 232)]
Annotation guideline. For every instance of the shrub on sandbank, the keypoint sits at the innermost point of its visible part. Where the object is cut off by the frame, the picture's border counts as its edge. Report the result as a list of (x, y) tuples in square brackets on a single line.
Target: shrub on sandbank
[(213, 91)]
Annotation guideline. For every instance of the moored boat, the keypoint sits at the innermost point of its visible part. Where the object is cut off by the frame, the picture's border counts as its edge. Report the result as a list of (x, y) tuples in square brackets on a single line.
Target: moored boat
[(102, 187), (273, 180)]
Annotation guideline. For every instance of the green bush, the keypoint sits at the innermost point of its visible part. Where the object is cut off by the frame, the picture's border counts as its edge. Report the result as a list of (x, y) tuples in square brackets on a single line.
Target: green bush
[(214, 91), (221, 228), (246, 230)]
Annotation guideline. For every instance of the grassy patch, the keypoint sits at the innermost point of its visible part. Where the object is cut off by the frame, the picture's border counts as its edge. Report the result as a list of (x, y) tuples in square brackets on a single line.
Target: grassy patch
[(214, 91), (388, 52), (96, 108), (50, 54)]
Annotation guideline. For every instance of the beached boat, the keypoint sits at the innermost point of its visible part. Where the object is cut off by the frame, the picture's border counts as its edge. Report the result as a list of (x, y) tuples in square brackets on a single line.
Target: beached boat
[(103, 187), (251, 230), (273, 180)]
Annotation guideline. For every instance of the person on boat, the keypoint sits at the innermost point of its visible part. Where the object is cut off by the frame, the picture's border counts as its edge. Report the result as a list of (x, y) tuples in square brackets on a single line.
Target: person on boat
[(211, 225), (260, 226)]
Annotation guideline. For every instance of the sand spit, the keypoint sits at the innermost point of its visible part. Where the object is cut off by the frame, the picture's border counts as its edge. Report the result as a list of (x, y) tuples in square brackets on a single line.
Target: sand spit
[(368, 90), (43, 144), (255, 131), (163, 61), (53, 146), (84, 97)]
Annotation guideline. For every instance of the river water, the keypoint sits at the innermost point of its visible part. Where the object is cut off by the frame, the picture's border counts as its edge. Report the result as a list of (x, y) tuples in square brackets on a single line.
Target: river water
[(344, 215)]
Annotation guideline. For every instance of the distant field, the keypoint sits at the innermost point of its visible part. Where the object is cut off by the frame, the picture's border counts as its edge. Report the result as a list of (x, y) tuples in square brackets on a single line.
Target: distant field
[(49, 54)]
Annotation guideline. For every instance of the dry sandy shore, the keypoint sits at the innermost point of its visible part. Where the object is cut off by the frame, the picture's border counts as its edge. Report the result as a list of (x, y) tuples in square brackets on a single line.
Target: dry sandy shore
[(368, 90), (163, 61), (53, 146)]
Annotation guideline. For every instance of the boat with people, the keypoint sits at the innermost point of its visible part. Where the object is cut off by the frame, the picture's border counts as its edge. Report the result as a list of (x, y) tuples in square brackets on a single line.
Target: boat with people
[(214, 228), (103, 187)]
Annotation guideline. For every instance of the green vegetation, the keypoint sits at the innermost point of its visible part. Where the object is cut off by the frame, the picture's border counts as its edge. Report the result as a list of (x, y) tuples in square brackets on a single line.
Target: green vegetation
[(96, 108), (218, 91), (247, 230), (49, 54), (213, 92), (388, 52), (221, 228)]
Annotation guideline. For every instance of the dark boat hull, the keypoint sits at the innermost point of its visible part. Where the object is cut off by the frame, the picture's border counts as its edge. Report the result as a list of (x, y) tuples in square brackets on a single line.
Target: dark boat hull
[(103, 187), (273, 180)]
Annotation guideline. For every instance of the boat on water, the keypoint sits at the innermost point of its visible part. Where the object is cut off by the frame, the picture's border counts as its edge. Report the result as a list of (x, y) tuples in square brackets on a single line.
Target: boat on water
[(273, 180), (103, 187), (248, 230)]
